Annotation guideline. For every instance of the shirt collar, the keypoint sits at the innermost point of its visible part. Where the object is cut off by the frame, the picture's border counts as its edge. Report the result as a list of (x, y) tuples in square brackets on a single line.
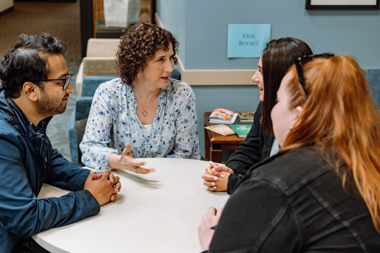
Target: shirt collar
[(161, 98)]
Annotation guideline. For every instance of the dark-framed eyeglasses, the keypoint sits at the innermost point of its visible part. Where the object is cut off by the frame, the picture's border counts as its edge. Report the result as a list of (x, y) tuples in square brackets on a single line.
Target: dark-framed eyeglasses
[(302, 60), (62, 81)]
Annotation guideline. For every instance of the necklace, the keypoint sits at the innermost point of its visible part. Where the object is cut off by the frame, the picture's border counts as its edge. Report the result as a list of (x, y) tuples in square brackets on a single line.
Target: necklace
[(144, 113)]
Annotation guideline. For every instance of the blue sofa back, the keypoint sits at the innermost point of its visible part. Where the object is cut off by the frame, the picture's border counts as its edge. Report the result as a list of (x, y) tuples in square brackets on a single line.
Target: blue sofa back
[(82, 108), (89, 86), (91, 83)]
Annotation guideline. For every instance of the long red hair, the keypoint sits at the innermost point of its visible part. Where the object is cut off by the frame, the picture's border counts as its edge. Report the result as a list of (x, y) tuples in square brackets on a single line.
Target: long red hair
[(340, 114)]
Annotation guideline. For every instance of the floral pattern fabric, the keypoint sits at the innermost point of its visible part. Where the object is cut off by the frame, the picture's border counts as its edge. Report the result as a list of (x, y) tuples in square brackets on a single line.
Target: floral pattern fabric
[(113, 122)]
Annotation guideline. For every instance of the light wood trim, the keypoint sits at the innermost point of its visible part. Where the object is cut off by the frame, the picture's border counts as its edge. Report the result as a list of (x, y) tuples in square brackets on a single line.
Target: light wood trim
[(99, 9), (218, 77), (211, 76)]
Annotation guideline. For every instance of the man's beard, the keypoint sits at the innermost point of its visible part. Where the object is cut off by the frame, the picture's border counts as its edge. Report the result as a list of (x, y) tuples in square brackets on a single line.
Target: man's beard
[(50, 106)]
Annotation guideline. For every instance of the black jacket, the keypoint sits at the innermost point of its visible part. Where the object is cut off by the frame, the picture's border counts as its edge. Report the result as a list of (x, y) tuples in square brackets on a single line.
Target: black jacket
[(255, 148), (294, 202)]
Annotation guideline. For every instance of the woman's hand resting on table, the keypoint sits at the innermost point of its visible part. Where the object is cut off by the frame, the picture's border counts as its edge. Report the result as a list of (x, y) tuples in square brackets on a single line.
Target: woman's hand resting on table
[(216, 177), (205, 232), (103, 186), (125, 161)]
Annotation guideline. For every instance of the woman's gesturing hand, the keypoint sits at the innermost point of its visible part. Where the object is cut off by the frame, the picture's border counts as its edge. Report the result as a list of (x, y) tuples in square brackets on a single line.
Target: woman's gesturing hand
[(125, 161)]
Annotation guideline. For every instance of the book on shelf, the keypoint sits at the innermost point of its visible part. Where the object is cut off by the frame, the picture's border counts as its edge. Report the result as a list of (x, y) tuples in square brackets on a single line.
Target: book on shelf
[(221, 129), (241, 129), (246, 116), (222, 116)]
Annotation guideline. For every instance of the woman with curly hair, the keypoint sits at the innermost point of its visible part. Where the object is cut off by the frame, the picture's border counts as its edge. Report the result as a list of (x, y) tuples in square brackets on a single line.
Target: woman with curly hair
[(321, 192), (144, 113)]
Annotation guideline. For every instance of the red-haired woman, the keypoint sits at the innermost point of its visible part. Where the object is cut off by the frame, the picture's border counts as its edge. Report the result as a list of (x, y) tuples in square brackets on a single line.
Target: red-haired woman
[(322, 191)]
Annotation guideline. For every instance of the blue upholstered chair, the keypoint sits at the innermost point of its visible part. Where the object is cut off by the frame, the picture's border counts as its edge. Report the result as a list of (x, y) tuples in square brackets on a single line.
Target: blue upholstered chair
[(82, 109), (83, 106)]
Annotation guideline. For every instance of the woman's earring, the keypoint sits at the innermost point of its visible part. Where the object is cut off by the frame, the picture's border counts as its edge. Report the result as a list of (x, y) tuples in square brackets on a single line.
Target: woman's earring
[(138, 74), (291, 127)]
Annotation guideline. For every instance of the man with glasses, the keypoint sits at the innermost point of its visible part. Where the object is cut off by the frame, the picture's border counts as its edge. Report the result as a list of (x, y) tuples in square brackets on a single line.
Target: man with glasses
[(35, 85)]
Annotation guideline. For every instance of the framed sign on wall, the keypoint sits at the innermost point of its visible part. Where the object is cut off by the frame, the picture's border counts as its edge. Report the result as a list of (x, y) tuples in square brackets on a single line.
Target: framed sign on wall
[(247, 40), (342, 4)]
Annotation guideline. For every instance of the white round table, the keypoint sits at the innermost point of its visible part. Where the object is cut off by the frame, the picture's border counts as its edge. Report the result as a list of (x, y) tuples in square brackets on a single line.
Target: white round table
[(157, 212)]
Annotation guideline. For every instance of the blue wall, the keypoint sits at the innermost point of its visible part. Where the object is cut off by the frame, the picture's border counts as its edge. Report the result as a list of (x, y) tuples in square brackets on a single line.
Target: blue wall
[(201, 28), (172, 14)]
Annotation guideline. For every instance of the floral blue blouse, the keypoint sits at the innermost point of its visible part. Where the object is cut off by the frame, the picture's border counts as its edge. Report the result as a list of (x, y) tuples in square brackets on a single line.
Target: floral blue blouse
[(113, 122)]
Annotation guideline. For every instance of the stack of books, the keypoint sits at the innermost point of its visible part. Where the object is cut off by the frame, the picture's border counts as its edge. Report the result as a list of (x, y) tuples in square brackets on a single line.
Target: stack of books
[(221, 129), (241, 129), (246, 117), (225, 119), (222, 116)]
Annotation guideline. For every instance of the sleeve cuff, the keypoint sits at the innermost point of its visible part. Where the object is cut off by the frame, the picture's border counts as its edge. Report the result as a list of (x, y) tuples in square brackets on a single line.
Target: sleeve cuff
[(92, 204), (104, 166), (232, 182)]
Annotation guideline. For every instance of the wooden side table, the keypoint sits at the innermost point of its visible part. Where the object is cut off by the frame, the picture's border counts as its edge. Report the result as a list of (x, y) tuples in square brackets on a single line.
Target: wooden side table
[(215, 143)]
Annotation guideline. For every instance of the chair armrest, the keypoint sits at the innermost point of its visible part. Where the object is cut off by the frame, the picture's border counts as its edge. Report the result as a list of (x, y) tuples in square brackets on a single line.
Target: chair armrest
[(98, 64), (79, 80), (82, 107), (176, 74), (72, 138), (93, 64), (91, 83), (99, 47)]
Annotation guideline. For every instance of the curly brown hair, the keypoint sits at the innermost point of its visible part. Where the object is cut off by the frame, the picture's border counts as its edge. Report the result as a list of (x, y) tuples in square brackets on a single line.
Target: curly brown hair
[(139, 45)]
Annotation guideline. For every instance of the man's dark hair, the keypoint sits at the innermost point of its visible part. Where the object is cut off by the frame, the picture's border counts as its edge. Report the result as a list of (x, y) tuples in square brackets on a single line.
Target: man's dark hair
[(27, 61)]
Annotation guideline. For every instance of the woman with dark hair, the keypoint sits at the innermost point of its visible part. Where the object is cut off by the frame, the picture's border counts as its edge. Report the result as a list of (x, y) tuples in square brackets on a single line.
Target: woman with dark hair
[(144, 113), (277, 57), (321, 192)]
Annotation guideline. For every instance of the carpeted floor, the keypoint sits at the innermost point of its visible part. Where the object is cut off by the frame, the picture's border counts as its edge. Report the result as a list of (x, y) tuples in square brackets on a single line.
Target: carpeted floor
[(61, 20)]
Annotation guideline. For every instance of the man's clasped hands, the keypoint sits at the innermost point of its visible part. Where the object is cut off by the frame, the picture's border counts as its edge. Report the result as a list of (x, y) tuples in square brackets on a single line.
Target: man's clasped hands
[(103, 186)]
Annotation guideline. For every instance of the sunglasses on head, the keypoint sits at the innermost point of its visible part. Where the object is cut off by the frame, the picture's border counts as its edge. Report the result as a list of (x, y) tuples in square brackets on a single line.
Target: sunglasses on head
[(302, 60)]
